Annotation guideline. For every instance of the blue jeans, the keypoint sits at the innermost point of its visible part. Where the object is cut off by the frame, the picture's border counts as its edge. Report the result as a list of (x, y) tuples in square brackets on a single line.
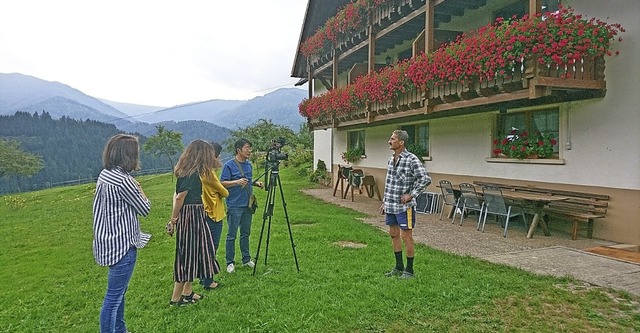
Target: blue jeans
[(112, 313), (238, 217), (216, 233)]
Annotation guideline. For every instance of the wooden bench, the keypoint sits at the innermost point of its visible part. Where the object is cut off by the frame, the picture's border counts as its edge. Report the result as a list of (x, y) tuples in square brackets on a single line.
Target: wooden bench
[(579, 208)]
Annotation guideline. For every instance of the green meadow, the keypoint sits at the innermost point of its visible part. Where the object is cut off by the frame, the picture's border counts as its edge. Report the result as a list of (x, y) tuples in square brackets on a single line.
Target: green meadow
[(52, 284)]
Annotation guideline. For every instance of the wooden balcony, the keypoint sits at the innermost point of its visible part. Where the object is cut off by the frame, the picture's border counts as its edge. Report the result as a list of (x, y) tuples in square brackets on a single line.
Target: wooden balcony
[(530, 84)]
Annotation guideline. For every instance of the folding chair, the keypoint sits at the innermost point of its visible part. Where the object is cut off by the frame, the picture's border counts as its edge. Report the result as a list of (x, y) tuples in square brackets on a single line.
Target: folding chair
[(494, 204), (448, 197), (470, 201)]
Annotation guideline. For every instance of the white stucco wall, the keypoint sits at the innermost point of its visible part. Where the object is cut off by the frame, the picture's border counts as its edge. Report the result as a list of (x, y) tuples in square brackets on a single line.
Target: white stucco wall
[(322, 147)]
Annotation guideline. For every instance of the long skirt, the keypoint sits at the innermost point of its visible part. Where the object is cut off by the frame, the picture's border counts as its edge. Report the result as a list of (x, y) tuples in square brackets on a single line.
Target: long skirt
[(195, 252)]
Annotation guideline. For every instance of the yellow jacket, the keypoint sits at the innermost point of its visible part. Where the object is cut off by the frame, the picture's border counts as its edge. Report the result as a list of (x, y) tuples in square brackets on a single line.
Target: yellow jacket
[(212, 194)]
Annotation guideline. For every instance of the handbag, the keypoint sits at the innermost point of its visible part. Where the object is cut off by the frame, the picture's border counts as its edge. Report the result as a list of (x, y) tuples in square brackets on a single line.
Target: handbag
[(253, 202)]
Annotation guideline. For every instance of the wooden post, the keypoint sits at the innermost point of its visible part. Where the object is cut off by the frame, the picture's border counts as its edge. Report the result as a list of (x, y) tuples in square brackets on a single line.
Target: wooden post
[(372, 50), (429, 27), (310, 79), (535, 7), (334, 74)]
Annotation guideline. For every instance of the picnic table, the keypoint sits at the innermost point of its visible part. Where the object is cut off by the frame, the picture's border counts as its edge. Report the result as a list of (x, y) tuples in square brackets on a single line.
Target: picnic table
[(537, 201)]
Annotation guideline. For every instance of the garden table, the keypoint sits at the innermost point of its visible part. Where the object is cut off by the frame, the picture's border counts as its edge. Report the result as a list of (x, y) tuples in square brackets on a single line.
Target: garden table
[(537, 201)]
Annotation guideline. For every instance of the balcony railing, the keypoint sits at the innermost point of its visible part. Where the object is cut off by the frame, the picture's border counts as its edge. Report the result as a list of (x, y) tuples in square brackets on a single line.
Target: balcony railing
[(527, 84)]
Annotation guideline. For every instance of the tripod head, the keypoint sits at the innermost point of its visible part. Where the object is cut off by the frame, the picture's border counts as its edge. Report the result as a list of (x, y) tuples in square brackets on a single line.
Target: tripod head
[(273, 158)]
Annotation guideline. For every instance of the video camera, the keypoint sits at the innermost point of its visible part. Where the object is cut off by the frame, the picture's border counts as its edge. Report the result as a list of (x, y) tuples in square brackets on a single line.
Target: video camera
[(273, 158), (275, 155)]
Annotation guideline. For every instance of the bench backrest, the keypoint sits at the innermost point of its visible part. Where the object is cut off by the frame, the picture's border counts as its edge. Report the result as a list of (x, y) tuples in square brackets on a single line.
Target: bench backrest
[(578, 201)]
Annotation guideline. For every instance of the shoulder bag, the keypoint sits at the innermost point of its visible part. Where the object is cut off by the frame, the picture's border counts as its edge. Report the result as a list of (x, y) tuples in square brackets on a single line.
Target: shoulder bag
[(253, 202)]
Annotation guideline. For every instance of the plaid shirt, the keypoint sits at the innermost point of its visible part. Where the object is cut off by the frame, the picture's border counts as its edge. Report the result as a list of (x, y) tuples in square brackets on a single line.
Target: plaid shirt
[(408, 175)]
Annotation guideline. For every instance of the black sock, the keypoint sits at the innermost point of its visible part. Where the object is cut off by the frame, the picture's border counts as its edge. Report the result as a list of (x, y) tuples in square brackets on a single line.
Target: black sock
[(399, 263), (409, 265)]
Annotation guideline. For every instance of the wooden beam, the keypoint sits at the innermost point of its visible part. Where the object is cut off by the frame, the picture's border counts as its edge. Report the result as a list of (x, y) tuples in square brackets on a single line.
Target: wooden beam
[(372, 50), (568, 83), (535, 7), (334, 74), (429, 26), (310, 80), (499, 98)]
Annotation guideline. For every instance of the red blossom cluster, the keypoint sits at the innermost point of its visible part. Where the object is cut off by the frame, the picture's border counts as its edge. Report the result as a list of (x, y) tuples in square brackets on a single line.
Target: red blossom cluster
[(555, 39), (521, 145), (349, 20), (334, 102), (376, 87), (560, 39)]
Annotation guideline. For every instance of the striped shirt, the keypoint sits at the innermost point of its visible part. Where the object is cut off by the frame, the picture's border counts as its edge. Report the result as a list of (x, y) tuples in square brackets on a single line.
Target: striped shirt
[(407, 175), (117, 203)]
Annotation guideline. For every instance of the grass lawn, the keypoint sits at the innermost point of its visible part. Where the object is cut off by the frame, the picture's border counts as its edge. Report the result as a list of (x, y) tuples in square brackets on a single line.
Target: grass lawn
[(52, 284)]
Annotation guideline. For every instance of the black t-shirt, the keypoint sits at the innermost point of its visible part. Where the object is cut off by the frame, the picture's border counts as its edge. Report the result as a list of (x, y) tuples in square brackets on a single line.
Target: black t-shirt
[(193, 185)]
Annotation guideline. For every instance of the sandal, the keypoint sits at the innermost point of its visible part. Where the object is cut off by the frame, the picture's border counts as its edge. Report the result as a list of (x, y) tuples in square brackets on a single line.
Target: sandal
[(213, 285), (189, 299), (179, 302)]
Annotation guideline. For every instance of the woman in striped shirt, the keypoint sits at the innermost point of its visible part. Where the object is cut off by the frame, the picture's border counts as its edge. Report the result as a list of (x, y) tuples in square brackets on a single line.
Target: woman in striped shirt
[(195, 251), (118, 201)]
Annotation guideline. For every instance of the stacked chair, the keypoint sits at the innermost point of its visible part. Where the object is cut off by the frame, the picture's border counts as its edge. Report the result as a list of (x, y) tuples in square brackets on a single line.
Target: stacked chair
[(494, 204), (470, 201), (449, 197)]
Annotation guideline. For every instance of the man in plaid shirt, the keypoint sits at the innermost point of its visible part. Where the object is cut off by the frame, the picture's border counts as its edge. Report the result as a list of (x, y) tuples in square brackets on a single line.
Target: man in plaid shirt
[(406, 179)]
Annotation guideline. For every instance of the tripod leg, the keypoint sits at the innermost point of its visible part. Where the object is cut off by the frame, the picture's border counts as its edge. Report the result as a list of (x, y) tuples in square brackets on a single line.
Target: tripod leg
[(266, 214), (286, 216)]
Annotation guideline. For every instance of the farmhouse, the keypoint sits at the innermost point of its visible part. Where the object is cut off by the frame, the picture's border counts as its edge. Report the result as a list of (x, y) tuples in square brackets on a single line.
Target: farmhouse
[(531, 93)]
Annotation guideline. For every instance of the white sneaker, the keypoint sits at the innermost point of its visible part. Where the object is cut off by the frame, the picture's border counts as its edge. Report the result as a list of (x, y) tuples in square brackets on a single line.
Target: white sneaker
[(249, 264), (231, 268)]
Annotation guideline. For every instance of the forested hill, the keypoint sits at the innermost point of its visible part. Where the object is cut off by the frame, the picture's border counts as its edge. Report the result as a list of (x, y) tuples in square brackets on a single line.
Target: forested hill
[(71, 149)]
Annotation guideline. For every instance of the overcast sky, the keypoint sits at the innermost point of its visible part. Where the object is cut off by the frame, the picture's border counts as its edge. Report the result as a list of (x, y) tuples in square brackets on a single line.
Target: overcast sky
[(160, 53)]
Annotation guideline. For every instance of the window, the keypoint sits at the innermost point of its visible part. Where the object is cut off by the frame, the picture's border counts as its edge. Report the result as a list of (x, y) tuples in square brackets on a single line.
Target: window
[(355, 139), (418, 139), (544, 121), (521, 7)]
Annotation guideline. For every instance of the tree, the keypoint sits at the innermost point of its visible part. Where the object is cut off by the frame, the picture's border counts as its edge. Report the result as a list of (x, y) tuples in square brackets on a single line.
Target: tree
[(260, 134), (165, 143), (304, 137), (15, 161)]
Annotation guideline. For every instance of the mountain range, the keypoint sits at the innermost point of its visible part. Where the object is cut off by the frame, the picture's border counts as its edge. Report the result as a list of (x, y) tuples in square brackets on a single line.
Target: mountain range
[(19, 92)]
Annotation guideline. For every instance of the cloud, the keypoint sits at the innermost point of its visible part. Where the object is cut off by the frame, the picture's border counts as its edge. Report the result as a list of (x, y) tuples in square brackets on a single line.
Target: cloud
[(154, 52)]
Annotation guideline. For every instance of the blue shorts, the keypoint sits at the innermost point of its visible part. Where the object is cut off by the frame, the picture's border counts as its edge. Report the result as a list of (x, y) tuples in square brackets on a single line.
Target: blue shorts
[(405, 220)]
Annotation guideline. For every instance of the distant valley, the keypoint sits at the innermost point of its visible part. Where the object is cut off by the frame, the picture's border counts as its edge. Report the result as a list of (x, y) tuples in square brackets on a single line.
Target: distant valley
[(19, 92), (68, 129)]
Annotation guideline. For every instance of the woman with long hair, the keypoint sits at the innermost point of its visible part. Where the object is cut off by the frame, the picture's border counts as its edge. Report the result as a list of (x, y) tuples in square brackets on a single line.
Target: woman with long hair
[(195, 251), (212, 197)]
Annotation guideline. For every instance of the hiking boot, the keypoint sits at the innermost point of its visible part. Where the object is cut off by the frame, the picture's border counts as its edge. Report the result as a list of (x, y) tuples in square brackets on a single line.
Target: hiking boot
[(393, 272), (231, 268), (406, 275)]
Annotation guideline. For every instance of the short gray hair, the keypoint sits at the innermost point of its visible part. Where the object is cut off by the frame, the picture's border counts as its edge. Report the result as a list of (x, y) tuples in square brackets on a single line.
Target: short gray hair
[(401, 135)]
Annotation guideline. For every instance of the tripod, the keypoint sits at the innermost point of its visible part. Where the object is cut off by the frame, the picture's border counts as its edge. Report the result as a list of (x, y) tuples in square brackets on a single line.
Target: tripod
[(272, 182)]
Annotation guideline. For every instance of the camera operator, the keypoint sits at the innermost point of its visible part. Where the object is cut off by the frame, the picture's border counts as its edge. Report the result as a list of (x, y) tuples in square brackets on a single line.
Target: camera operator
[(237, 177)]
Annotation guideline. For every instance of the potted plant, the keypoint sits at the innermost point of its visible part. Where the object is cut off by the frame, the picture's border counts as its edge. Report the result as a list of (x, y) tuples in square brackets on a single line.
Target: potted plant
[(521, 145), (353, 154), (418, 150)]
